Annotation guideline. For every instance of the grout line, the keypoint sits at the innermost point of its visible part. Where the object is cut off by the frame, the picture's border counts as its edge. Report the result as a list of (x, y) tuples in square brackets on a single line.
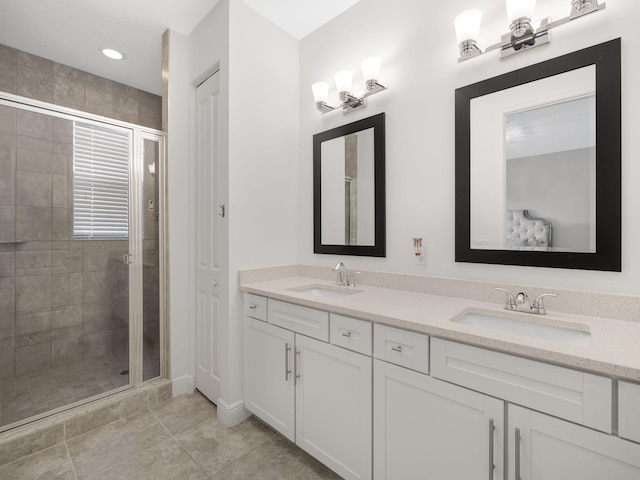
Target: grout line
[(73, 466), (182, 447)]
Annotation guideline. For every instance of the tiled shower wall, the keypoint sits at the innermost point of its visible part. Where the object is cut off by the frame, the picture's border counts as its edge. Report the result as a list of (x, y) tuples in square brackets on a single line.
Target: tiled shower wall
[(55, 293)]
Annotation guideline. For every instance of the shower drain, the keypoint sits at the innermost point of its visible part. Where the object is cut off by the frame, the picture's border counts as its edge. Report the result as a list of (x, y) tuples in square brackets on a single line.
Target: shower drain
[(125, 372)]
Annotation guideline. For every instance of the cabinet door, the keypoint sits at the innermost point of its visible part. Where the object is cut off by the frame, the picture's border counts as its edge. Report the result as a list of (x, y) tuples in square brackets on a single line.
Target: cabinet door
[(333, 407), (426, 428), (553, 449), (269, 388)]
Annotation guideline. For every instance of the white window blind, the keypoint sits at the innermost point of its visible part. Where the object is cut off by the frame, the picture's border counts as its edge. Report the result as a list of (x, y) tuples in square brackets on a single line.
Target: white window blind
[(100, 182)]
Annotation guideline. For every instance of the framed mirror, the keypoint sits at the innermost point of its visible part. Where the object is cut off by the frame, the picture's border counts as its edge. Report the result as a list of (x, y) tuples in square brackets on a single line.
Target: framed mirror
[(538, 164), (349, 189)]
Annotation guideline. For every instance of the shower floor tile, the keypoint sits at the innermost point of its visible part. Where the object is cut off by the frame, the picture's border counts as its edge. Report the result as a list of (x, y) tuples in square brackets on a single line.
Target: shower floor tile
[(24, 396)]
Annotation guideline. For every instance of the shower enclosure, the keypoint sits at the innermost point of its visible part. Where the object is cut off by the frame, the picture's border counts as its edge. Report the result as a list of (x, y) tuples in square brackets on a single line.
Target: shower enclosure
[(81, 270)]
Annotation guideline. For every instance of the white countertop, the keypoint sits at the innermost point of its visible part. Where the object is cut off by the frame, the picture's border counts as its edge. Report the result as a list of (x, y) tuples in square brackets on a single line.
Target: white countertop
[(615, 349)]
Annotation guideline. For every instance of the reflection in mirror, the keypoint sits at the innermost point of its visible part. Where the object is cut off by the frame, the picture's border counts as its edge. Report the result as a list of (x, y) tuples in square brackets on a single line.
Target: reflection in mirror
[(347, 164), (550, 177), (349, 193), (538, 164)]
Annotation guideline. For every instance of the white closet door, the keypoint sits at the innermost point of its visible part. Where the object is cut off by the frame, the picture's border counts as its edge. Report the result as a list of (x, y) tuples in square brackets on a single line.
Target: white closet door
[(211, 246)]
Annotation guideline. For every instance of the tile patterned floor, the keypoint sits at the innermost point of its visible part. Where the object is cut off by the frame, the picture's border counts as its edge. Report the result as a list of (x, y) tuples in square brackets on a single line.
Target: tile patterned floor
[(177, 439), (27, 395), (38, 392)]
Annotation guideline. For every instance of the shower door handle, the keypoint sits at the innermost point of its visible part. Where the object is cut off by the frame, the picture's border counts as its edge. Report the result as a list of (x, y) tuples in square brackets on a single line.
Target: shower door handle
[(127, 258)]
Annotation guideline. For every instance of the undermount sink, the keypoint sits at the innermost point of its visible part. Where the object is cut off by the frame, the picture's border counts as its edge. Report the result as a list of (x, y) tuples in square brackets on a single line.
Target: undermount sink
[(527, 328), (324, 291)]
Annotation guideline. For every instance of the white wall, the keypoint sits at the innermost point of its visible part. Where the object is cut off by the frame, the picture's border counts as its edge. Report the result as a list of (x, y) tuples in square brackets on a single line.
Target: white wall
[(258, 142), (263, 160), (417, 44), (179, 246)]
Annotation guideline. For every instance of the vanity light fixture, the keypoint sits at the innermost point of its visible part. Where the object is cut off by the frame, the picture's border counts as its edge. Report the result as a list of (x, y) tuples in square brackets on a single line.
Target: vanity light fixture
[(349, 101), (522, 34)]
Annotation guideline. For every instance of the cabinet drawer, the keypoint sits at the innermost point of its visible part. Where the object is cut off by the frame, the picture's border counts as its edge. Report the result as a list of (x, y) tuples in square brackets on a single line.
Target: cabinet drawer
[(351, 333), (307, 321), (404, 348), (255, 306), (569, 394), (629, 411)]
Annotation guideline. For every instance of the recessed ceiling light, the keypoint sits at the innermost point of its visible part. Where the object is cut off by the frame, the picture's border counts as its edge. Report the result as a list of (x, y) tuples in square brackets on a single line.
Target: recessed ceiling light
[(113, 54)]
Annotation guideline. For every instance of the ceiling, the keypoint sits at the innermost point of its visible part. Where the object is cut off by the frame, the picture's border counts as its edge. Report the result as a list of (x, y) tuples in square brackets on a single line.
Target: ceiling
[(70, 32), (558, 127)]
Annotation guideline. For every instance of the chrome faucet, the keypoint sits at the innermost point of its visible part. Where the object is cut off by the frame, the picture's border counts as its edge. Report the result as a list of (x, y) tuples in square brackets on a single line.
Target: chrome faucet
[(344, 276), (521, 302)]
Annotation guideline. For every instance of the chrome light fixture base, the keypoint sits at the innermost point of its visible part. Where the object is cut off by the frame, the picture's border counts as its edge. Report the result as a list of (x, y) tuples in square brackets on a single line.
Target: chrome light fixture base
[(584, 7), (324, 107), (468, 49), (522, 35), (351, 102)]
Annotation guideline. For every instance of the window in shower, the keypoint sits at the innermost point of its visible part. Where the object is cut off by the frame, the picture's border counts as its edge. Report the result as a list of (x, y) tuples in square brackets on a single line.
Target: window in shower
[(100, 182)]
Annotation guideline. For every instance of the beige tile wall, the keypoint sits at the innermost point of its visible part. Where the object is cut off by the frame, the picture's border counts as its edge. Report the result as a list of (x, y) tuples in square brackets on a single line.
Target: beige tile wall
[(55, 293)]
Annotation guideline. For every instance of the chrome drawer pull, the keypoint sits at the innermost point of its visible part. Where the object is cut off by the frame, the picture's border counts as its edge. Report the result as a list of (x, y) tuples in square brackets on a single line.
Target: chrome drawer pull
[(253, 307), (397, 348), (492, 467), (287, 370), (346, 334), (517, 460), (296, 375)]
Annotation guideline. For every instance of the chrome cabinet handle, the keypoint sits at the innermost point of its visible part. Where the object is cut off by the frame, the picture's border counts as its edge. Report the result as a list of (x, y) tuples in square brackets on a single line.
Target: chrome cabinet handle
[(346, 334), (253, 307), (492, 466), (287, 370), (296, 375), (221, 213), (517, 459), (397, 348)]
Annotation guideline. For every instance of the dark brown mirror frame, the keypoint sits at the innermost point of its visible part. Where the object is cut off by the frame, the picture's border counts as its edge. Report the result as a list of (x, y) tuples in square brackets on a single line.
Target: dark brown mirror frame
[(606, 58), (377, 122)]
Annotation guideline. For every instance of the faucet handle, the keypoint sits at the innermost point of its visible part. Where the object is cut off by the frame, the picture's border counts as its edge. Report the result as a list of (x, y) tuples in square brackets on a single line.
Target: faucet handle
[(510, 303), (538, 303), (351, 279)]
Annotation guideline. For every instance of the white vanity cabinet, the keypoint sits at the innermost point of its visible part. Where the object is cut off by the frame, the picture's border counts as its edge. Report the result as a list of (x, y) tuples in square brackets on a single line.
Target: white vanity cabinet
[(542, 447), (268, 375), (431, 408), (315, 393), (426, 428), (333, 407), (629, 411)]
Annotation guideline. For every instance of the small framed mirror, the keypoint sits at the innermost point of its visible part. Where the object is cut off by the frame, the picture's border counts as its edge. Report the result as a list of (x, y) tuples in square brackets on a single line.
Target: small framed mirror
[(349, 189), (538, 164)]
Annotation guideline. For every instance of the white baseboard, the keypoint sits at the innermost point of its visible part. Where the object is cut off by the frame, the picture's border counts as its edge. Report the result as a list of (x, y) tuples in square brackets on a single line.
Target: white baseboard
[(182, 385), (232, 414)]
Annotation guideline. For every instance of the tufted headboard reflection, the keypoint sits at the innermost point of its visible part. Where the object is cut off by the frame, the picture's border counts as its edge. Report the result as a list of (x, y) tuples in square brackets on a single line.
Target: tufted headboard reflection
[(526, 231)]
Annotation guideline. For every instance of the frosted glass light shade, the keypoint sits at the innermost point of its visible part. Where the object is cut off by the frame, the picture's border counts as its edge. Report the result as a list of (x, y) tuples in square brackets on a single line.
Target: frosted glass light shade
[(371, 68), (320, 91), (520, 8), (343, 81), (467, 25)]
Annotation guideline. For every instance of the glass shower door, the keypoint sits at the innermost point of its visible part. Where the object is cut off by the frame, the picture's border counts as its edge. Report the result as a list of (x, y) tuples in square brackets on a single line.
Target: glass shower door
[(64, 329)]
